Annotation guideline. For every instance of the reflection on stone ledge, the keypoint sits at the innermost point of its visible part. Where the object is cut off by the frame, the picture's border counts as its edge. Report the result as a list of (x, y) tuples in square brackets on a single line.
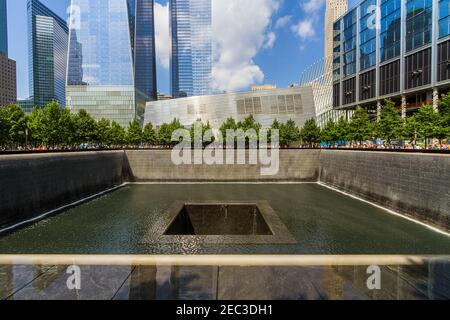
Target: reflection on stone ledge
[(407, 282)]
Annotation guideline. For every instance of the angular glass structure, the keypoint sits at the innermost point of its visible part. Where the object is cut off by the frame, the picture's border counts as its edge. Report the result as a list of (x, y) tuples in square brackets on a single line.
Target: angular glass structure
[(47, 41), (191, 61), (112, 62), (3, 28)]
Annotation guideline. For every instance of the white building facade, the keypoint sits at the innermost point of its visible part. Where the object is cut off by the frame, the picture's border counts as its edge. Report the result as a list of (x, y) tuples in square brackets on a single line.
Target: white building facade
[(296, 103)]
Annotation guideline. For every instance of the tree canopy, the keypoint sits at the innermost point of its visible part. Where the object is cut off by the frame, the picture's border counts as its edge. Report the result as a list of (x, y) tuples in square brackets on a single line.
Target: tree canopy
[(53, 126)]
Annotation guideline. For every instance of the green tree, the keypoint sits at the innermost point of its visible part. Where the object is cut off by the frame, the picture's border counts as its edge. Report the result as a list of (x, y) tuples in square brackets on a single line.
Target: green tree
[(204, 127), (134, 134), (311, 133), (118, 134), (85, 128), (330, 133), (104, 132), (411, 130), (165, 132), (35, 124), (361, 128), (342, 129), (4, 127), (68, 135), (444, 112), (391, 123), (229, 124), (13, 126), (249, 123), (48, 125), (149, 134), (429, 121), (289, 133), (276, 125)]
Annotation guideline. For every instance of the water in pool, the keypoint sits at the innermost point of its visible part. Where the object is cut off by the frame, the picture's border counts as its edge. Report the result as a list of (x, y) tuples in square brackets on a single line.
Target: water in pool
[(321, 220)]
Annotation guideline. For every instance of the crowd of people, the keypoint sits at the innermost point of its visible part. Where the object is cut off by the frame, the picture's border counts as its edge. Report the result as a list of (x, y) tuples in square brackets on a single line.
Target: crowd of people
[(367, 145)]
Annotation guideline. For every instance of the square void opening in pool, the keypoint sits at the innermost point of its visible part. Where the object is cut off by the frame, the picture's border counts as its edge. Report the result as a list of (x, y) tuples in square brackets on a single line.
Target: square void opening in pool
[(219, 219), (219, 223)]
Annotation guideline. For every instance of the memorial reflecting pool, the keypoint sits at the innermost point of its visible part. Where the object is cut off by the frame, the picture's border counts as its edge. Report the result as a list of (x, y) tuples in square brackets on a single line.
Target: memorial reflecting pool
[(320, 220)]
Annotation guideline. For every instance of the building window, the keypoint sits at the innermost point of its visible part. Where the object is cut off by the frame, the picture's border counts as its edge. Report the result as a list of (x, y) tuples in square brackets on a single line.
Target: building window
[(418, 23), (336, 95), (418, 69), (337, 51), (444, 61), (367, 35), (390, 29), (444, 18), (349, 43), (367, 85), (350, 90), (390, 78)]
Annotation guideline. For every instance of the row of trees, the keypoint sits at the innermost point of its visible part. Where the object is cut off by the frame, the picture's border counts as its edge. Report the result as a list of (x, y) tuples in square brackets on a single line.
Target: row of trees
[(426, 124), (52, 126)]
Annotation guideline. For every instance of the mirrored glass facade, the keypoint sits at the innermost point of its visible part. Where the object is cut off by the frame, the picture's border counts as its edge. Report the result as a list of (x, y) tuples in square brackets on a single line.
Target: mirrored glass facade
[(191, 61), (390, 29), (47, 41), (3, 28), (349, 43), (367, 34), (112, 63), (444, 18), (402, 53), (337, 51), (418, 23)]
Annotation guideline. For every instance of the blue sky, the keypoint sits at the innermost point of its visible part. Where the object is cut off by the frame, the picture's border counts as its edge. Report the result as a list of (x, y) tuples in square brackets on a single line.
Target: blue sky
[(282, 38)]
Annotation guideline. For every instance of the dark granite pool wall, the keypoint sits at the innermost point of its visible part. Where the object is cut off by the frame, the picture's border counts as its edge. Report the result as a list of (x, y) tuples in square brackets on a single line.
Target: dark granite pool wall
[(156, 165), (33, 184), (414, 184), (417, 185)]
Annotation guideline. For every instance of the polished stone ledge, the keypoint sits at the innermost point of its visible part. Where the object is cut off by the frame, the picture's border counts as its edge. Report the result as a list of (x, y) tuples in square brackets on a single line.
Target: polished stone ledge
[(425, 281)]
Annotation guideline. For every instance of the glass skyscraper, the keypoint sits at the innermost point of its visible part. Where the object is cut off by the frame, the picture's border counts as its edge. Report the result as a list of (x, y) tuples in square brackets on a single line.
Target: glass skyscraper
[(112, 61), (3, 28), (392, 49), (47, 41), (191, 61)]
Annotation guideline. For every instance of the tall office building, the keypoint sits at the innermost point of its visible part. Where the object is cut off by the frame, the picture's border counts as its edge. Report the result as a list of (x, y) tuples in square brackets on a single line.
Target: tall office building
[(406, 59), (334, 10), (3, 29), (112, 61), (191, 60), (8, 88), (47, 44)]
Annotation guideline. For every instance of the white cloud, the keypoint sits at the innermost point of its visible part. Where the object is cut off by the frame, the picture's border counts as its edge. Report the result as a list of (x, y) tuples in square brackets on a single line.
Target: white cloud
[(304, 29), (283, 22), (312, 6), (162, 35), (240, 31), (271, 37)]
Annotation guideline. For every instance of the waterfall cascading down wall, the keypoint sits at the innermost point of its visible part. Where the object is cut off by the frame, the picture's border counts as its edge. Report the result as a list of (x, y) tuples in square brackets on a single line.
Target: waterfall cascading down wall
[(414, 184), (31, 185)]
